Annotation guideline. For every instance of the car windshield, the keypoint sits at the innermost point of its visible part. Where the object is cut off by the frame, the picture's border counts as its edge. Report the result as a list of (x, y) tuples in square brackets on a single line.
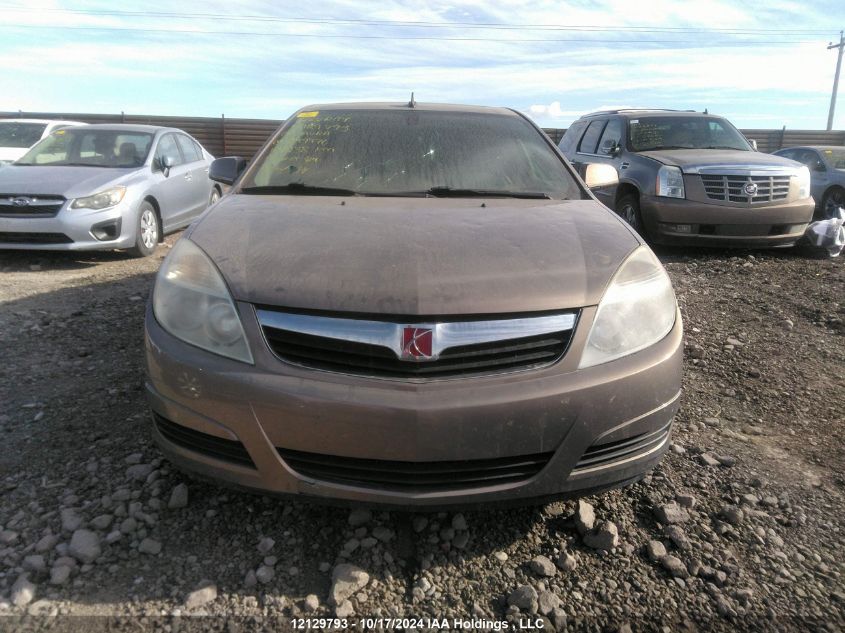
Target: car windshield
[(835, 158), (16, 134), (410, 152), (684, 132), (87, 147)]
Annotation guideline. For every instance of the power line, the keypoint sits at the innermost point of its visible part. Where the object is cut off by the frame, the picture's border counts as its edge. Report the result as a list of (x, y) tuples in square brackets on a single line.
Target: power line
[(708, 43), (418, 24)]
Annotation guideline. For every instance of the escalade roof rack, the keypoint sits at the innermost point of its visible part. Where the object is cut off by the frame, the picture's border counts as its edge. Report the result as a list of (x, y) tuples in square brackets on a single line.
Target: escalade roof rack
[(621, 110)]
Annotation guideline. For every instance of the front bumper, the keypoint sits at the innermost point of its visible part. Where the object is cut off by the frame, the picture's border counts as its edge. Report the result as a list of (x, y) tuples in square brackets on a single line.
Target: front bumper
[(719, 225), (272, 407), (71, 229)]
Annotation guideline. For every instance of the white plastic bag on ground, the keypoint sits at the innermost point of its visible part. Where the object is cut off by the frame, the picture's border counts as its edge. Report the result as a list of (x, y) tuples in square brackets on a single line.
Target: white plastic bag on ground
[(828, 234)]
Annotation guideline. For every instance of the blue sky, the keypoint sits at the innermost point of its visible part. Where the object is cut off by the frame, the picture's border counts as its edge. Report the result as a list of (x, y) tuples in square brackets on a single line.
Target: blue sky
[(266, 59)]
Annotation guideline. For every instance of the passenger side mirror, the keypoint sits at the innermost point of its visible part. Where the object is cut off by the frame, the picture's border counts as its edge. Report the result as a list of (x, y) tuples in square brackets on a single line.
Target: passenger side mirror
[(163, 164), (819, 166), (753, 142), (600, 175), (227, 169)]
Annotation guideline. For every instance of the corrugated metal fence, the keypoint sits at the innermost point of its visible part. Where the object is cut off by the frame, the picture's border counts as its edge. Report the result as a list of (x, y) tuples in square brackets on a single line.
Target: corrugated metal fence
[(242, 137)]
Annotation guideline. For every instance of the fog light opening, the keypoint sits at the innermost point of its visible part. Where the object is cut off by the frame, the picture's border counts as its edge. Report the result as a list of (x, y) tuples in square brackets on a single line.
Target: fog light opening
[(106, 231)]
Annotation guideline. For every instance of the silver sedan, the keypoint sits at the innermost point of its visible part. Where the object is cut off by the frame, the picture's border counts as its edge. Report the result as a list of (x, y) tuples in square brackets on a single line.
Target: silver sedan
[(104, 187)]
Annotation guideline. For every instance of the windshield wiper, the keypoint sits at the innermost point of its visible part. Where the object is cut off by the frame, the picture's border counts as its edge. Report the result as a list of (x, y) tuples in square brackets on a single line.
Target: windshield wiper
[(298, 189), (449, 192), (660, 147), (739, 149)]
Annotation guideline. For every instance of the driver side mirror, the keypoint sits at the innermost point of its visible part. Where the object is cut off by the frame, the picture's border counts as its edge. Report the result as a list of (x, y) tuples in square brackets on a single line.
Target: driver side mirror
[(753, 142), (819, 166), (600, 175), (610, 147), (226, 170), (163, 164)]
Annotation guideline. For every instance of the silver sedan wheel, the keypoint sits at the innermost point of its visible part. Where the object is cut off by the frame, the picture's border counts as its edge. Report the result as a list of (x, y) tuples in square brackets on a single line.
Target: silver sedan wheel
[(215, 196), (149, 228)]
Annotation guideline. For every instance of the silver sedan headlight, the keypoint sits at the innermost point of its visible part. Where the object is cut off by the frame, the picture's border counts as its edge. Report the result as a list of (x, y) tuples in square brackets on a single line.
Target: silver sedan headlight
[(100, 200), (637, 310), (191, 301)]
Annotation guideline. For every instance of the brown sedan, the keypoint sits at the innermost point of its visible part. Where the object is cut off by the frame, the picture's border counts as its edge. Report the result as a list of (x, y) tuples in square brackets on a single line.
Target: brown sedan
[(416, 305)]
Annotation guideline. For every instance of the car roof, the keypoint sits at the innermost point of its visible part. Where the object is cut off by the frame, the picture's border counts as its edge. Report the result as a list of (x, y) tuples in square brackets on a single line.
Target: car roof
[(423, 107), (634, 112), (63, 121), (132, 127)]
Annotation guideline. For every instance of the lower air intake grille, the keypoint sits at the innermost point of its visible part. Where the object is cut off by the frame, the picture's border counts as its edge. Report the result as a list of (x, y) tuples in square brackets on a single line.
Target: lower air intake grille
[(15, 237), (415, 476), (210, 445), (611, 454)]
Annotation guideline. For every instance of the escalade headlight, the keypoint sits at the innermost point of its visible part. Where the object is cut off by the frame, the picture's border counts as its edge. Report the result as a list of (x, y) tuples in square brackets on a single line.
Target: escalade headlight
[(670, 182), (100, 200), (191, 301), (637, 310), (803, 178)]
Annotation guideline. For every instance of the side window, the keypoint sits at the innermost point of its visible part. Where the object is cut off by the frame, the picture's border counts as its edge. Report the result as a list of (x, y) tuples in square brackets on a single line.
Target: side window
[(572, 136), (788, 153), (189, 149), (591, 137), (612, 136), (167, 147), (812, 160)]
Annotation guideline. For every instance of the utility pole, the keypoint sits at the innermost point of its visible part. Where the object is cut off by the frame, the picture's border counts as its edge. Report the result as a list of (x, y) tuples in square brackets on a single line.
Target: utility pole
[(840, 46)]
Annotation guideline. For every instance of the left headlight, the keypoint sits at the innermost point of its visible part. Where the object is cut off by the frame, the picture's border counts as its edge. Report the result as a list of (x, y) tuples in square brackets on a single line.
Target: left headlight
[(637, 310), (100, 200), (803, 178), (192, 302)]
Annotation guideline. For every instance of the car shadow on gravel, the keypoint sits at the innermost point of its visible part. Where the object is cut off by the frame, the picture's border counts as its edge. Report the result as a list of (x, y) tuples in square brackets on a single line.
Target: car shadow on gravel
[(674, 254), (34, 261)]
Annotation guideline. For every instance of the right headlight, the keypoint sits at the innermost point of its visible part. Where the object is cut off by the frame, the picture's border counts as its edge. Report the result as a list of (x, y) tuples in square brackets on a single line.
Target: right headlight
[(670, 182), (803, 178), (191, 301), (637, 310)]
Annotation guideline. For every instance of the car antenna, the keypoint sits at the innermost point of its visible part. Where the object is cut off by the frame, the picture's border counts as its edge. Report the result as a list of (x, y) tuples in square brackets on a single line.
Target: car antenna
[(705, 111), (412, 103)]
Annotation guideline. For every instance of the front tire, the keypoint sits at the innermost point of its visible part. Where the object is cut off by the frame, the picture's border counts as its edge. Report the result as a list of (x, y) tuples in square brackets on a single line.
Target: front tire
[(831, 201), (215, 196), (628, 207), (147, 231)]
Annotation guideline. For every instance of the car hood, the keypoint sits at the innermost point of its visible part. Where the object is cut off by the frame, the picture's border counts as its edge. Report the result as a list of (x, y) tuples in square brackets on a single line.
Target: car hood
[(414, 256), (688, 159), (70, 182)]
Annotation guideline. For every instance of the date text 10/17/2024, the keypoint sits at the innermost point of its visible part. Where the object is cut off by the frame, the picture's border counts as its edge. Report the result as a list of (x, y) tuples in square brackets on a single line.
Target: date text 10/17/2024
[(443, 624)]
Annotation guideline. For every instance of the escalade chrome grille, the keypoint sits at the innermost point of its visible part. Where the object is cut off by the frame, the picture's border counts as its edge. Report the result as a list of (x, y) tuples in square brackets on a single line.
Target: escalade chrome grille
[(732, 188), (30, 205), (459, 348)]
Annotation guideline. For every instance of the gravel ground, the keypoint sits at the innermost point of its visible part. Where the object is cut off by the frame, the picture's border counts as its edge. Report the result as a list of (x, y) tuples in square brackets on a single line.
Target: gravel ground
[(740, 527)]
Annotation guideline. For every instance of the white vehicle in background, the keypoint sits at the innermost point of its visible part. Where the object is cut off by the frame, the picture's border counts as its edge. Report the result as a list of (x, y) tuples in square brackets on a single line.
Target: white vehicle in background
[(18, 135)]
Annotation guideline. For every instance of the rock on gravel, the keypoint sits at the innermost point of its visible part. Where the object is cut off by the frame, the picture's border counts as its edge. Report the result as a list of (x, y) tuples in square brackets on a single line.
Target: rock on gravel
[(347, 580), (524, 598), (266, 544), (60, 574), (85, 546), (671, 513), (604, 537), (675, 566), (178, 497), (264, 574), (311, 603), (542, 566), (585, 517), (205, 592), (23, 591), (732, 514), (655, 550), (566, 561), (547, 602), (71, 520), (359, 517), (149, 546), (344, 609)]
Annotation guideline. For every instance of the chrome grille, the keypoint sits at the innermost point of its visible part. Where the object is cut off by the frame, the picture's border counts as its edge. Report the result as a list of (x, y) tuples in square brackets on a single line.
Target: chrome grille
[(374, 348), (732, 188), (30, 205)]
